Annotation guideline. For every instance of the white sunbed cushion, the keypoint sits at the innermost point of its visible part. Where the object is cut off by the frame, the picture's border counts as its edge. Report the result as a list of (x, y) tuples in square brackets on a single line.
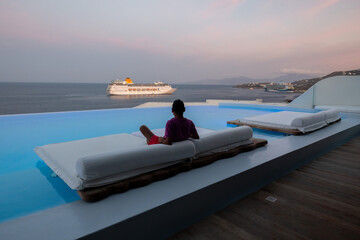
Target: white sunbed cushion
[(307, 120), (301, 121), (222, 138), (331, 116), (278, 119), (62, 157), (105, 164)]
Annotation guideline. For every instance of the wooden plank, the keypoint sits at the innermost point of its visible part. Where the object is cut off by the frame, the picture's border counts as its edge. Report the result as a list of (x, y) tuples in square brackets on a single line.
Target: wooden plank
[(351, 161), (352, 156), (215, 227), (330, 174), (340, 157), (335, 209), (328, 188), (340, 170)]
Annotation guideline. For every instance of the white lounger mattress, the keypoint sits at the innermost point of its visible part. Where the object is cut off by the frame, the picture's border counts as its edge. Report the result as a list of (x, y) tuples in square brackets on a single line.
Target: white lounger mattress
[(299, 121), (103, 160)]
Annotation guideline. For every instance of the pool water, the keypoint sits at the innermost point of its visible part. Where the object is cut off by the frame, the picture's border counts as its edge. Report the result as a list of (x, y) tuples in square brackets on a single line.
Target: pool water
[(27, 184)]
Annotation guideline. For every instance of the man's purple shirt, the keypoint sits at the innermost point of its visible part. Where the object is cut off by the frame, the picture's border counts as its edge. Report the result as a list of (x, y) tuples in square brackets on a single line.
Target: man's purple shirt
[(179, 129)]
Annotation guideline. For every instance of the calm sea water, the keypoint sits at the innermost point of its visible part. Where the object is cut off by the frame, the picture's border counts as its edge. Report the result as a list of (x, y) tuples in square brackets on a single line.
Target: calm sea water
[(56, 97)]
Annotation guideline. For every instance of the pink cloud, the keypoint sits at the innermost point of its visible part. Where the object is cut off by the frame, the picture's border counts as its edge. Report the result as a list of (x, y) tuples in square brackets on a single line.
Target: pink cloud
[(319, 7), (224, 4), (311, 41), (301, 50), (18, 24), (218, 5), (141, 44), (300, 70), (217, 42)]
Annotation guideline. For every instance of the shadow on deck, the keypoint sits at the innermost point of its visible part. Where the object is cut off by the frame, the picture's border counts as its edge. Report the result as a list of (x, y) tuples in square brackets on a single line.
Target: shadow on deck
[(317, 201)]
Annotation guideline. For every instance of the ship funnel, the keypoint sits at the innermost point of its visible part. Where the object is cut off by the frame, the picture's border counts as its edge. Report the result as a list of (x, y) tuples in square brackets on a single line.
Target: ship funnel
[(128, 80)]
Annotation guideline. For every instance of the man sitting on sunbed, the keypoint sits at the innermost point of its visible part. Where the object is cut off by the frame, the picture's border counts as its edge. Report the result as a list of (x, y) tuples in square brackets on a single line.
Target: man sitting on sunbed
[(177, 129)]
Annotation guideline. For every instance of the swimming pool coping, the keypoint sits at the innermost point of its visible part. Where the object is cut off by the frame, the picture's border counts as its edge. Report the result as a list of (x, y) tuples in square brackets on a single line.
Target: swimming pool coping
[(134, 213)]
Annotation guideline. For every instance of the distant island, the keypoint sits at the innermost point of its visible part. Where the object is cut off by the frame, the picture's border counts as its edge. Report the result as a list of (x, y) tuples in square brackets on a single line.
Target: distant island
[(299, 85)]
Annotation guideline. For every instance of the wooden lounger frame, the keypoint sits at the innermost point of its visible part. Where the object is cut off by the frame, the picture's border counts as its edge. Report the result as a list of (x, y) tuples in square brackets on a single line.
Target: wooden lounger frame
[(283, 130), (99, 193)]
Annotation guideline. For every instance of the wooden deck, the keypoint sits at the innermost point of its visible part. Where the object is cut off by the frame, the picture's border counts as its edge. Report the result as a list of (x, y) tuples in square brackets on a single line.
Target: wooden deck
[(318, 201)]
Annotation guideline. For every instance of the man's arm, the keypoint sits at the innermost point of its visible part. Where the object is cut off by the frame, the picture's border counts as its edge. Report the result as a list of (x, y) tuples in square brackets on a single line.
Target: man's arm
[(166, 141), (195, 135)]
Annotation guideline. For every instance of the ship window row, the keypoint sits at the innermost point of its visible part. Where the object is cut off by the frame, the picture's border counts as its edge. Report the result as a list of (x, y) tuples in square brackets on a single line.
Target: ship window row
[(139, 89)]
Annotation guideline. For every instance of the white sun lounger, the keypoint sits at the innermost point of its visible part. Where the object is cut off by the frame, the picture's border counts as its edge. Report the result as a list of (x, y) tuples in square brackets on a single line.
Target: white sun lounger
[(105, 160), (290, 122)]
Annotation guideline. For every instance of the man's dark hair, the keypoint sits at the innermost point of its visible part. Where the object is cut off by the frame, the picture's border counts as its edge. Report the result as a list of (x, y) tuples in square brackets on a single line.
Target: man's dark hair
[(178, 107)]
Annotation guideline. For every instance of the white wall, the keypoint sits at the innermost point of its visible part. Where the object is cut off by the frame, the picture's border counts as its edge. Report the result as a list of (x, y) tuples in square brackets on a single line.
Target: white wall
[(339, 91)]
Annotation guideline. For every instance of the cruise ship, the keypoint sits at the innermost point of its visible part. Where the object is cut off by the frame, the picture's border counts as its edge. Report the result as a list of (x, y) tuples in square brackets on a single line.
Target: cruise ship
[(127, 87)]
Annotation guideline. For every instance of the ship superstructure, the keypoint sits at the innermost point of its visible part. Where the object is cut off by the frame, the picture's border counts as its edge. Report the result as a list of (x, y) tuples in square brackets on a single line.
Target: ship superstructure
[(127, 87)]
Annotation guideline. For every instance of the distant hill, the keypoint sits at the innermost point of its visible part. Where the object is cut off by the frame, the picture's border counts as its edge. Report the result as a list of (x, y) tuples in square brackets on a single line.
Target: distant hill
[(305, 84), (300, 85), (242, 79), (291, 77), (226, 81)]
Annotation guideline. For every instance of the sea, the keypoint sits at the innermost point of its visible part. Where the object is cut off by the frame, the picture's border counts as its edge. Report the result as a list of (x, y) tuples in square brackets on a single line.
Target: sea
[(19, 98)]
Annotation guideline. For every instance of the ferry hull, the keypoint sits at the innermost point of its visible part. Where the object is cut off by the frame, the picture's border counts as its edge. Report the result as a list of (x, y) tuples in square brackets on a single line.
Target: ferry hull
[(130, 90), (114, 92)]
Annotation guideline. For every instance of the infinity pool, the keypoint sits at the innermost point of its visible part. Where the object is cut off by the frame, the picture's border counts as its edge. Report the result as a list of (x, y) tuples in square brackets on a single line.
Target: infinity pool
[(27, 185)]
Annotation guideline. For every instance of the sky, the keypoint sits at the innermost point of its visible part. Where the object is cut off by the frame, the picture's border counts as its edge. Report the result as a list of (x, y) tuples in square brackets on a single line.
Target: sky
[(175, 41)]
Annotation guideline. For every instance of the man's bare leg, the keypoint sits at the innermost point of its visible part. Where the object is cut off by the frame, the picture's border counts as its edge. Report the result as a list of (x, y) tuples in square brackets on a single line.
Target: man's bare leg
[(148, 134)]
